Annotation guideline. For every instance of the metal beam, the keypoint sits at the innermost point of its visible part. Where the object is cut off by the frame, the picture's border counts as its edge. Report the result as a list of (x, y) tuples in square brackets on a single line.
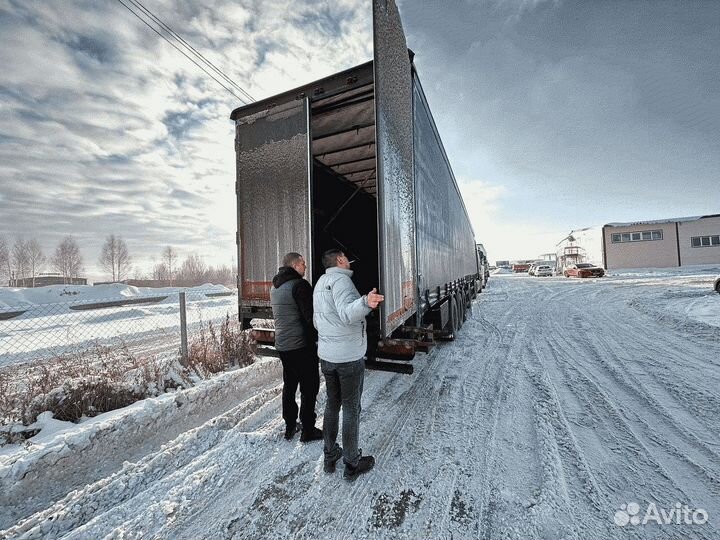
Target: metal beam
[(353, 172), (341, 131), (353, 147), (349, 162), (353, 100)]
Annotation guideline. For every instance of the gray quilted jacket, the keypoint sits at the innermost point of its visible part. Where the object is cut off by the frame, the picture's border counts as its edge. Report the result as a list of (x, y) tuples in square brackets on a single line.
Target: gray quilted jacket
[(339, 315)]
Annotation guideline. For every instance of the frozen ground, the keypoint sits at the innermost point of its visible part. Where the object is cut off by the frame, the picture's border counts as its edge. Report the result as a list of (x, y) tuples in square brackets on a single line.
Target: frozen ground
[(560, 401)]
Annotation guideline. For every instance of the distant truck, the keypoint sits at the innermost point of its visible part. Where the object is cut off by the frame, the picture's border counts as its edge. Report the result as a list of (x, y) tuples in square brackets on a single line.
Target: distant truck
[(484, 265), (354, 161), (520, 267)]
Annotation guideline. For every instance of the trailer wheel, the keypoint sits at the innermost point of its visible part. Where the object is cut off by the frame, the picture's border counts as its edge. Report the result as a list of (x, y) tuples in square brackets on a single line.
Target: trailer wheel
[(454, 323), (460, 307)]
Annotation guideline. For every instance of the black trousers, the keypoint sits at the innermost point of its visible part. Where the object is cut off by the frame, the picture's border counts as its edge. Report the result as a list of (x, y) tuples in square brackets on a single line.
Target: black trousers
[(300, 367)]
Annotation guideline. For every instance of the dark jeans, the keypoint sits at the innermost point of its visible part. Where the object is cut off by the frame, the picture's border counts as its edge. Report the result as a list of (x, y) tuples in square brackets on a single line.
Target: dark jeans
[(344, 383), (300, 367)]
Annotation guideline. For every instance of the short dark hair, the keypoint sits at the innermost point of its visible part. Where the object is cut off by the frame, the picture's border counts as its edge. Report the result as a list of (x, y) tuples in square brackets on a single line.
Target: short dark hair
[(291, 258), (330, 257)]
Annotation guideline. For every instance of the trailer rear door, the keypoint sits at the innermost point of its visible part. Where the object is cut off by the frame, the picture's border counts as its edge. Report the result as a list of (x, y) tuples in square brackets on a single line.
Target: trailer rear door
[(273, 192), (396, 198)]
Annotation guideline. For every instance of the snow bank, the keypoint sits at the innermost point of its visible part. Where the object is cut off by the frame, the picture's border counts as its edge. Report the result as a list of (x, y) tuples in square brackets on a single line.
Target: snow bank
[(65, 456), (695, 270), (11, 297)]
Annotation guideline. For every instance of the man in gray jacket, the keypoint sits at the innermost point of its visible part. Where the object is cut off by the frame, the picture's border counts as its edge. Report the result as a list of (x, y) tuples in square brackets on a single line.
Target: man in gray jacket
[(339, 315), (291, 299)]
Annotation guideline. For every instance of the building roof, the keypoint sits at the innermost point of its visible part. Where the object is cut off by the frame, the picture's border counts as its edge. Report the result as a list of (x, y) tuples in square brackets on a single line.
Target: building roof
[(659, 221)]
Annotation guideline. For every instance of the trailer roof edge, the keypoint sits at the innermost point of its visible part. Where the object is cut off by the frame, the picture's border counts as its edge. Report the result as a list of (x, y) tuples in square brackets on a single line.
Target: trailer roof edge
[(299, 92)]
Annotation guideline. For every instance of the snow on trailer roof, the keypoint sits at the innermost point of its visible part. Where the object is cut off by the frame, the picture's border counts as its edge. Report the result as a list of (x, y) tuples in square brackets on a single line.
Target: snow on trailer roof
[(659, 221)]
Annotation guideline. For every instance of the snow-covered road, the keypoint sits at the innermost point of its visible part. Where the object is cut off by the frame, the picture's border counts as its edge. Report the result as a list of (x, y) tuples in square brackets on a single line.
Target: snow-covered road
[(560, 401)]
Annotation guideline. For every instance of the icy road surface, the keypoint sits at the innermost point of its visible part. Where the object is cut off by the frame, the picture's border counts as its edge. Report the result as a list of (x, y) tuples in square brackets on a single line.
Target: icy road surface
[(560, 401)]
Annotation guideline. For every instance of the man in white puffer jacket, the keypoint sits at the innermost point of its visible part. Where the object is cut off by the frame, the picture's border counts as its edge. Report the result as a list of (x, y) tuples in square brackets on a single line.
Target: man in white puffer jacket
[(339, 316)]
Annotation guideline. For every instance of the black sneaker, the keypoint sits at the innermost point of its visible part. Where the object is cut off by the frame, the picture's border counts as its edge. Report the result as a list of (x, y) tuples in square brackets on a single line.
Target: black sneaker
[(365, 463), (290, 431), (332, 459), (311, 434)]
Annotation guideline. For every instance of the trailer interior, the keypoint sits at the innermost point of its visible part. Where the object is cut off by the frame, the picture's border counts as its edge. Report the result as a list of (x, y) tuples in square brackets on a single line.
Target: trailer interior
[(344, 181)]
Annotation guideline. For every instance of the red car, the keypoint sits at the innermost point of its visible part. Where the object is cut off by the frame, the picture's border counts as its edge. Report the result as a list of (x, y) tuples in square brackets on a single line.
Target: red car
[(518, 268), (583, 270)]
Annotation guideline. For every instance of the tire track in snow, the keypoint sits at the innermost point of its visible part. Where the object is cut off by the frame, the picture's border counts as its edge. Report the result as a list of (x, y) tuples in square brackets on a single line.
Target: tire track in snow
[(640, 411), (622, 461), (685, 444), (84, 505)]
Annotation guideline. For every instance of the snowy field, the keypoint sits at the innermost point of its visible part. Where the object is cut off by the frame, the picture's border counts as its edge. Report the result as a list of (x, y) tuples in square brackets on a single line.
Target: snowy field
[(565, 409), (50, 323)]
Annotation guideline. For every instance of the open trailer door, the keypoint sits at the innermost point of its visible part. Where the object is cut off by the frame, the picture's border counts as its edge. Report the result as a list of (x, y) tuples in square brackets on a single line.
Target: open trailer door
[(396, 197), (273, 195)]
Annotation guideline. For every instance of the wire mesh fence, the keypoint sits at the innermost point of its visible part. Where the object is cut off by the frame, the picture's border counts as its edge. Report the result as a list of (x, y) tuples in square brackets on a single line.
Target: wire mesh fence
[(144, 325)]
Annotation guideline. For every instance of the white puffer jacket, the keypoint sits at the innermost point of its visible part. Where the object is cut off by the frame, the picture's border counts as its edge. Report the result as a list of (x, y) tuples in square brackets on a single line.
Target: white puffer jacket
[(339, 315)]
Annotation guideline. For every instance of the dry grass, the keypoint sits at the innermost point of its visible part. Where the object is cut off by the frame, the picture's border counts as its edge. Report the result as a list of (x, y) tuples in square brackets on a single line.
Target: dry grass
[(216, 350), (99, 379), (84, 383)]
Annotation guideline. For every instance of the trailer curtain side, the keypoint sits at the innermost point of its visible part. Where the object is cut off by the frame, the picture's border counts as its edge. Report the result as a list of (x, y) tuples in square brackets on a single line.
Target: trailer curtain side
[(445, 238)]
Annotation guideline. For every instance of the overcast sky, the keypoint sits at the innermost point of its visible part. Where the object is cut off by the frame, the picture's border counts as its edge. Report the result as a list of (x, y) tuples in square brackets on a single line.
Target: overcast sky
[(555, 115)]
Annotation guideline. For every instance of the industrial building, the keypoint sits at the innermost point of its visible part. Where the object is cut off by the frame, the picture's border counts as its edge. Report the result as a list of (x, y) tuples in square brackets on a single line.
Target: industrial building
[(662, 243), (44, 279)]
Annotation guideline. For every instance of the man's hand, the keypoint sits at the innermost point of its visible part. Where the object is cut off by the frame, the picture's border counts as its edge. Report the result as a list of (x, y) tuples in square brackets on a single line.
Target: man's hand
[(374, 299)]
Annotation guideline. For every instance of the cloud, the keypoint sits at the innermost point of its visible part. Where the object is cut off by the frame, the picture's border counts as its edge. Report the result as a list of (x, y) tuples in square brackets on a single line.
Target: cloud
[(105, 128), (585, 112)]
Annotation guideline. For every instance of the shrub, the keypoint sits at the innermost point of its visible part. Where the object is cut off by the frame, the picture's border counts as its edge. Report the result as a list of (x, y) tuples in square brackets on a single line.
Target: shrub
[(212, 352), (86, 397), (86, 382)]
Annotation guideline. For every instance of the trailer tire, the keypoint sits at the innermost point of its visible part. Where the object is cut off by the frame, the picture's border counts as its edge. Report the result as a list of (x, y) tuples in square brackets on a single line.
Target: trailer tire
[(460, 307), (464, 306), (454, 323)]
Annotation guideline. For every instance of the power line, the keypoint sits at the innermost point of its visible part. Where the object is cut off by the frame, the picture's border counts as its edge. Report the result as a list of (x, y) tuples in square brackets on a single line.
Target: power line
[(197, 53), (245, 100)]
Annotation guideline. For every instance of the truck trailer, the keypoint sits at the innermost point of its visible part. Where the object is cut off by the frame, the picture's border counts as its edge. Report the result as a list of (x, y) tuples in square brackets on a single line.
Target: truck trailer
[(354, 161)]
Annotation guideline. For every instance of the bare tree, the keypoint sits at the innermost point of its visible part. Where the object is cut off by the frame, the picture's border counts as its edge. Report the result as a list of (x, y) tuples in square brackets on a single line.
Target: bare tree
[(138, 273), (115, 258), (67, 259), (193, 270), (160, 272), (5, 261), (36, 258), (20, 260), (169, 258), (222, 275)]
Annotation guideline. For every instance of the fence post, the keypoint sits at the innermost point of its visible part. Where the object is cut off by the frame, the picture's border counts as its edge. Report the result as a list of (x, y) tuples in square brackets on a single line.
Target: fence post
[(183, 332)]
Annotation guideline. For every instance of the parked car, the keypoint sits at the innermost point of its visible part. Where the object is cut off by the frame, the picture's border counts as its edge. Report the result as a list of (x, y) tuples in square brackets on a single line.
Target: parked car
[(717, 285), (542, 270), (583, 270)]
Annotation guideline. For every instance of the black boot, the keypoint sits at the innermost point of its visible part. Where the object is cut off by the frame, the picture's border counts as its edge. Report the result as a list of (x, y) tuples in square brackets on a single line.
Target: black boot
[(331, 459), (311, 434), (290, 431), (365, 463)]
